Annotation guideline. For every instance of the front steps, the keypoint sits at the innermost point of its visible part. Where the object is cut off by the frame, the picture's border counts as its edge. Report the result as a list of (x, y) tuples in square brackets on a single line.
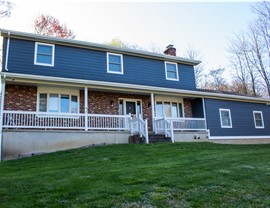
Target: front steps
[(153, 138)]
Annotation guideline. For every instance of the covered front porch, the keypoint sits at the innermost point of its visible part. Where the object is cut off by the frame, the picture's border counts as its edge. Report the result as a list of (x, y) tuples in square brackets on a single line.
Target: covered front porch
[(54, 107)]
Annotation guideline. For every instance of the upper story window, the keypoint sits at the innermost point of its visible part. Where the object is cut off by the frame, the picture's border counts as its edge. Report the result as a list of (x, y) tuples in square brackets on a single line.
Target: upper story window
[(258, 119), (44, 54), (115, 63), (171, 71), (225, 118)]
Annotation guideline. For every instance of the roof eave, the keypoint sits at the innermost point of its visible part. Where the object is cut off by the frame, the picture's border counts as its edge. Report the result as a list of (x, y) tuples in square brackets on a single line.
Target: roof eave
[(97, 46)]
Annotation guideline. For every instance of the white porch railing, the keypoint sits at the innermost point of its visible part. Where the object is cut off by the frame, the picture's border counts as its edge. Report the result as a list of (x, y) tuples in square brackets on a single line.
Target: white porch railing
[(139, 126), (186, 124), (36, 120), (164, 126)]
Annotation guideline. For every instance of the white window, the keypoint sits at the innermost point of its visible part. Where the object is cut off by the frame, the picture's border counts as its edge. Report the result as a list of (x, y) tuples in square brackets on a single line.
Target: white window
[(44, 54), (115, 63), (258, 119), (58, 100), (169, 109), (171, 71), (225, 118)]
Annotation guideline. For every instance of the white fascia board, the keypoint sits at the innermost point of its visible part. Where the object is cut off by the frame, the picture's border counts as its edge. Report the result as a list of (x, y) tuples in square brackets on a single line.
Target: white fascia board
[(98, 46), (136, 87), (239, 137)]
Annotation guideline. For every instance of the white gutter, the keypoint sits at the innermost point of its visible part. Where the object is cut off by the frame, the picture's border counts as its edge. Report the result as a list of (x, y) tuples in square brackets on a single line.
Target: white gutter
[(7, 52), (144, 88)]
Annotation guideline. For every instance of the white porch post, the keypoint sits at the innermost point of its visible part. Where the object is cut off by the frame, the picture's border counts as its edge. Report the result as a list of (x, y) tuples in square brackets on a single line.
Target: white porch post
[(86, 108), (204, 112), (153, 111), (3, 85)]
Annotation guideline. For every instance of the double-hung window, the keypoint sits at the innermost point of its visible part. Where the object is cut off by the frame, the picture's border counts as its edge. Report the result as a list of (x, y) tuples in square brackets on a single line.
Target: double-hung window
[(115, 63), (169, 109), (171, 71), (58, 100), (225, 118), (44, 54), (258, 119)]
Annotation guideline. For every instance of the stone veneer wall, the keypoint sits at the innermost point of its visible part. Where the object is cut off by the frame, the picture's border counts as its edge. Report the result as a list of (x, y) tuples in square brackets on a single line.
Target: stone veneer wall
[(20, 98)]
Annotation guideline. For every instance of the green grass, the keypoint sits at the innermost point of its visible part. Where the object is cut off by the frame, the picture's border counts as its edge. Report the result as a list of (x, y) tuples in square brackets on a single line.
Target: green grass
[(163, 175)]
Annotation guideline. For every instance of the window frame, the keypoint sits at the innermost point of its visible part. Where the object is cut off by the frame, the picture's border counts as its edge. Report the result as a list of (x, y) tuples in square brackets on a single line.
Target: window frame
[(121, 63), (36, 55), (230, 118), (261, 113), (59, 91), (166, 71), (171, 102)]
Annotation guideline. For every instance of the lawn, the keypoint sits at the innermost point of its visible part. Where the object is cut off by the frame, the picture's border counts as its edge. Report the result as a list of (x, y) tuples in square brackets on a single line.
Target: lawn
[(160, 175)]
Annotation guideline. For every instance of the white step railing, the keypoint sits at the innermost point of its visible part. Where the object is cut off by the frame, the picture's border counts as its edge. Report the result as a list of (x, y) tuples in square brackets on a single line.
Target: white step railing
[(34, 120), (139, 126), (164, 126)]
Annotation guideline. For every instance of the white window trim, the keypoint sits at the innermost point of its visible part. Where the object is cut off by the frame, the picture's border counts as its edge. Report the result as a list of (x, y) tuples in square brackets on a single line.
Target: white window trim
[(228, 110), (35, 58), (178, 112), (176, 67), (258, 127), (58, 91), (125, 100), (108, 64)]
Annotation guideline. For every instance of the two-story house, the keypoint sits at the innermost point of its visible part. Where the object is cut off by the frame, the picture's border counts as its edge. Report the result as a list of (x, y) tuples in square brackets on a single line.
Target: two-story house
[(60, 93)]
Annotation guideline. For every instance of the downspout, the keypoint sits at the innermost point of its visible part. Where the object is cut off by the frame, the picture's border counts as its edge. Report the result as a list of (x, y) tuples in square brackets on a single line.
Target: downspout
[(3, 88), (2, 112), (7, 52)]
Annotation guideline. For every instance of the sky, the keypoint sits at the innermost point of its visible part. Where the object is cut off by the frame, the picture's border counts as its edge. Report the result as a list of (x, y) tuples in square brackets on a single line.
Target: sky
[(204, 26)]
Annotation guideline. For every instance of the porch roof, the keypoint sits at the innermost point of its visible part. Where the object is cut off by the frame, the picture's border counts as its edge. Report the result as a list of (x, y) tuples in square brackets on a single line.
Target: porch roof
[(36, 79)]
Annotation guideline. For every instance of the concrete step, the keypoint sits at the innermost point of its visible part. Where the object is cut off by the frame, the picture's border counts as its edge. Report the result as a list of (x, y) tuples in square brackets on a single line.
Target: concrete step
[(158, 138)]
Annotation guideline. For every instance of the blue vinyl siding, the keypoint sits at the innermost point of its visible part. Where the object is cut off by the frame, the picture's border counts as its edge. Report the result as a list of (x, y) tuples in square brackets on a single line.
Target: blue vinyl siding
[(79, 63), (242, 118)]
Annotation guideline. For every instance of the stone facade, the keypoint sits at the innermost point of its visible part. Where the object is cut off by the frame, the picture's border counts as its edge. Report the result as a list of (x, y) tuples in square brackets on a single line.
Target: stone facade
[(20, 98)]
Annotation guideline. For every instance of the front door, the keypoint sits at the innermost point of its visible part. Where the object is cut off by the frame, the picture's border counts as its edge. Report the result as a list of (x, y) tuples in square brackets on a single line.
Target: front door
[(131, 108)]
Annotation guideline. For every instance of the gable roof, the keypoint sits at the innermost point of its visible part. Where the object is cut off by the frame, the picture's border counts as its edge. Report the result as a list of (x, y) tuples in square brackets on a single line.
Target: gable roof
[(97, 46)]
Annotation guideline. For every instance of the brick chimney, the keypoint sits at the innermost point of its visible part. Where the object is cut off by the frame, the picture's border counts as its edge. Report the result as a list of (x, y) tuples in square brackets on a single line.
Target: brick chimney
[(170, 50)]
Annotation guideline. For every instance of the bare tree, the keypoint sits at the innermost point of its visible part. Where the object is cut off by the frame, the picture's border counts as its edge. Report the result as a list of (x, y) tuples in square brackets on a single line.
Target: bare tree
[(5, 8), (241, 61), (216, 80), (50, 26), (195, 54)]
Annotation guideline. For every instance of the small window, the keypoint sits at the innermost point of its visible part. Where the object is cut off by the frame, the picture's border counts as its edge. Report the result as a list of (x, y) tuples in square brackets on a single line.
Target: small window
[(258, 119), (115, 63), (44, 54), (171, 70), (225, 118)]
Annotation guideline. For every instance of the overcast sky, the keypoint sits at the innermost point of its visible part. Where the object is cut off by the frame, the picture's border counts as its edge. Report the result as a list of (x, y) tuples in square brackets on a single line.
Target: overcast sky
[(206, 26)]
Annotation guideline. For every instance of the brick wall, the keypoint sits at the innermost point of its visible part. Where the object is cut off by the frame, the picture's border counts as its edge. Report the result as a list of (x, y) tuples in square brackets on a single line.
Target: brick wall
[(100, 103), (20, 98), (187, 108)]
